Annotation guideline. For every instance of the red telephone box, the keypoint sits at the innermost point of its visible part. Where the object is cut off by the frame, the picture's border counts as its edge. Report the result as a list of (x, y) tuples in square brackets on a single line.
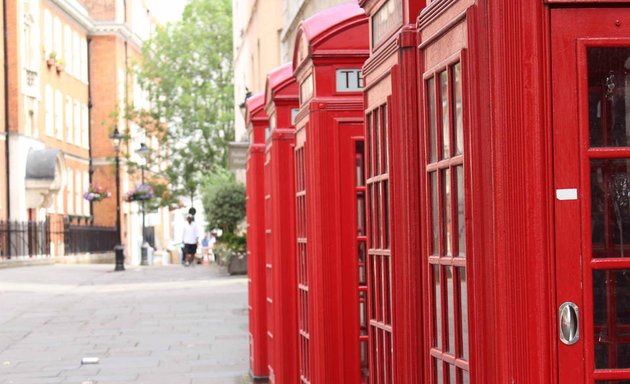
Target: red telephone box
[(391, 100), (281, 100), (257, 123), (330, 50), (523, 163)]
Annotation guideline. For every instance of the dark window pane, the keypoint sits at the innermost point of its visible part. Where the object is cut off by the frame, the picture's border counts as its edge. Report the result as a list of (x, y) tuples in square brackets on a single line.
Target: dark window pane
[(435, 229), (461, 213), (437, 314), (445, 115), (458, 109), (360, 175), (450, 298), (361, 214), (362, 264), (609, 96), (432, 120), (611, 312), (386, 212), (610, 207), (447, 248)]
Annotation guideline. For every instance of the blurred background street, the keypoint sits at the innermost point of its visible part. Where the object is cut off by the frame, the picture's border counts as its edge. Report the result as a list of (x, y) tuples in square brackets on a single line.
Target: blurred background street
[(169, 325)]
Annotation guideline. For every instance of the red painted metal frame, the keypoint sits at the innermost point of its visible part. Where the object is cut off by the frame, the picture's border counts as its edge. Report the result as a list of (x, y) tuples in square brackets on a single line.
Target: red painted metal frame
[(572, 31), (509, 227), (281, 98), (257, 121), (327, 128), (390, 75)]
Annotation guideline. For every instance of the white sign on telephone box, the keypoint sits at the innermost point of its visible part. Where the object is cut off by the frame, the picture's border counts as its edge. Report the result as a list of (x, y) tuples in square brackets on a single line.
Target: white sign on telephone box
[(349, 80)]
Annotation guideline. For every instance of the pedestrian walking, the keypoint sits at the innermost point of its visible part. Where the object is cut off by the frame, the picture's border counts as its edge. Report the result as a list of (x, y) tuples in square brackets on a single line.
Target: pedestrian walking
[(190, 239)]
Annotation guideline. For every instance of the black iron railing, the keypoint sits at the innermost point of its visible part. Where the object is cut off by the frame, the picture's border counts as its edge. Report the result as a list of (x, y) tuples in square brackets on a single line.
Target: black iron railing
[(80, 238), (20, 239)]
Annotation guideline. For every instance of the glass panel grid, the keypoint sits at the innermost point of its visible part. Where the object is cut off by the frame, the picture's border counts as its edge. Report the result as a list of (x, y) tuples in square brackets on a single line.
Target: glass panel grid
[(303, 281), (379, 256), (445, 204)]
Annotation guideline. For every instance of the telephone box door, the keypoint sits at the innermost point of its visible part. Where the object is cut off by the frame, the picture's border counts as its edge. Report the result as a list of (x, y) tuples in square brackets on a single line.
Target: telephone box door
[(590, 53)]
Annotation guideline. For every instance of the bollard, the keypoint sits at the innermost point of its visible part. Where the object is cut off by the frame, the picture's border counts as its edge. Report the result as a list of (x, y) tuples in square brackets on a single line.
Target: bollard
[(144, 260), (120, 258)]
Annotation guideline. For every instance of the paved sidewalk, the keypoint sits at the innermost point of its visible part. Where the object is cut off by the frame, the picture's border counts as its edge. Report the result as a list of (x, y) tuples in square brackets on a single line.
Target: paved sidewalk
[(152, 325)]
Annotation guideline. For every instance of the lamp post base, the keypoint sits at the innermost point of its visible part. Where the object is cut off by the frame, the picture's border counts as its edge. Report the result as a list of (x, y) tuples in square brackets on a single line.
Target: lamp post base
[(144, 254), (120, 258)]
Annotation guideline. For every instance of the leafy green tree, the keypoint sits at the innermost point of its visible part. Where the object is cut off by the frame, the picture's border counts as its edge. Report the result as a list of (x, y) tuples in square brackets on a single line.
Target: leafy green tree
[(187, 71), (227, 207)]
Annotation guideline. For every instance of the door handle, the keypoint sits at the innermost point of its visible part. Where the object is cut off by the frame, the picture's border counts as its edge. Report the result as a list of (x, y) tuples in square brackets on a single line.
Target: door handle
[(569, 323)]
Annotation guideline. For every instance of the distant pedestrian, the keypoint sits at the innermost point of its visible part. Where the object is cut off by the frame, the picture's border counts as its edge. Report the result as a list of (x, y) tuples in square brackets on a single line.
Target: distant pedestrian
[(190, 239)]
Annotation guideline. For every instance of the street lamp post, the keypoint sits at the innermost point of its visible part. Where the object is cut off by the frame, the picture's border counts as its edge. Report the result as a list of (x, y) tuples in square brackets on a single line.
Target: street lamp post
[(144, 152), (116, 139)]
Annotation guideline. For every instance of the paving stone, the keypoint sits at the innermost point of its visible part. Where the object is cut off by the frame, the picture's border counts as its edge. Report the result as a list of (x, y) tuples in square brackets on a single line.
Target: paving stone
[(166, 325)]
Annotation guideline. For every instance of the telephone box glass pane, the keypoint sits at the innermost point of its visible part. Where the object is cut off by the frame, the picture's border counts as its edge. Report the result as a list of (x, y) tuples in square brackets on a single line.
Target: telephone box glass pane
[(439, 375), (437, 313), (446, 213), (610, 207), (450, 309), (386, 213), (445, 115), (432, 122), (465, 377), (611, 315), (461, 217), (451, 374), (384, 138), (458, 109), (609, 96), (435, 229), (463, 307)]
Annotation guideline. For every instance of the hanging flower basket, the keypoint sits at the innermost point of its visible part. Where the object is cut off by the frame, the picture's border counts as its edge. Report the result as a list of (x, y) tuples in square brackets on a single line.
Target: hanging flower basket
[(96, 193), (142, 193)]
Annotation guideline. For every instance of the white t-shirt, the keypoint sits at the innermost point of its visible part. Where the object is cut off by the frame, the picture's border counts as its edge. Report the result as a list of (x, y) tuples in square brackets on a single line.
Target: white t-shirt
[(191, 233)]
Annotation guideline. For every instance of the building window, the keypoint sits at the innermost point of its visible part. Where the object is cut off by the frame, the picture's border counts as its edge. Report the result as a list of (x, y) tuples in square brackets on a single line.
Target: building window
[(379, 253), (83, 61), (76, 57), (69, 116), (85, 126), (58, 39), (86, 185), (67, 52), (59, 114), (48, 33), (70, 192), (78, 128), (49, 103), (78, 182), (447, 251)]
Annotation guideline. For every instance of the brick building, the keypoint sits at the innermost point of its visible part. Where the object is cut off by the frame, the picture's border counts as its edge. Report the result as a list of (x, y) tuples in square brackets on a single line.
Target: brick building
[(69, 71)]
